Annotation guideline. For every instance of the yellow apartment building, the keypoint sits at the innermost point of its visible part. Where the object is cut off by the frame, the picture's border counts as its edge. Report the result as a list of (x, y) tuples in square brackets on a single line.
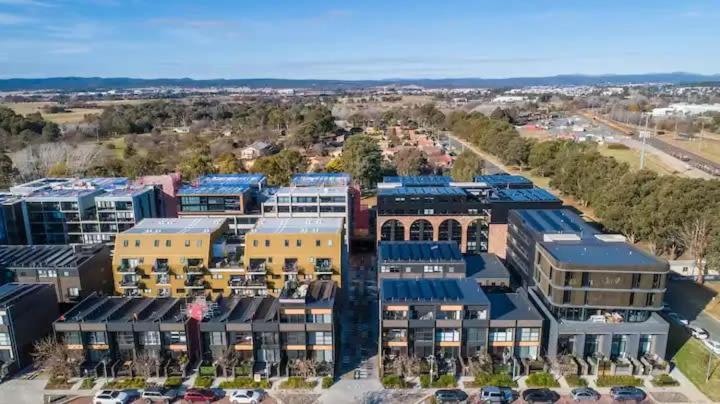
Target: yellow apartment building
[(296, 249), (178, 258)]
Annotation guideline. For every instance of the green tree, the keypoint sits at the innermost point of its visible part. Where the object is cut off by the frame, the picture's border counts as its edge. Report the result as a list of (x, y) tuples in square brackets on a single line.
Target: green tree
[(362, 158), (466, 166), (334, 166), (8, 172), (198, 163), (59, 169), (227, 163), (410, 161), (51, 131), (279, 168), (138, 166), (129, 150)]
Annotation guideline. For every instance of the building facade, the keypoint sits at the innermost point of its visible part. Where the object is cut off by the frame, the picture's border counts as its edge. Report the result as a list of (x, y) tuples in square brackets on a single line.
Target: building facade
[(22, 323), (295, 249), (74, 271), (420, 259)]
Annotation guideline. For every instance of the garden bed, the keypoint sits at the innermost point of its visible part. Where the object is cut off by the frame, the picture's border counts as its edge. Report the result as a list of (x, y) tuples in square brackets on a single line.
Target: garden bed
[(296, 382), (618, 380)]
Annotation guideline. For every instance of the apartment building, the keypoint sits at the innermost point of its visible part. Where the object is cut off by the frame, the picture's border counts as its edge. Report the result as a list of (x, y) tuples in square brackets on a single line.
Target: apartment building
[(112, 331), (83, 211), (181, 257), (448, 321), (74, 271), (438, 259), (296, 249), (12, 227), (472, 214), (235, 197), (22, 323), (599, 294), (269, 334)]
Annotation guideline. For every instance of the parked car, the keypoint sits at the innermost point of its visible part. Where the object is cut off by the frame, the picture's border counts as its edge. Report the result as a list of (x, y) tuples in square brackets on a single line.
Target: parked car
[(112, 397), (200, 395), (713, 346), (627, 393), (533, 396), (699, 333), (450, 396), (492, 394), (585, 394), (247, 396), (159, 394)]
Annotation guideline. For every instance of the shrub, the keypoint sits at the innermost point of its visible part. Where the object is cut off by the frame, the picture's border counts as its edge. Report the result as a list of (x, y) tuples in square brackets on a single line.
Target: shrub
[(445, 381), (203, 382), (393, 382), (575, 381), (57, 383), (425, 381), (126, 383), (663, 380), (173, 382), (296, 382), (618, 380), (542, 379), (617, 146), (87, 383), (245, 383), (327, 381), (207, 371), (490, 379)]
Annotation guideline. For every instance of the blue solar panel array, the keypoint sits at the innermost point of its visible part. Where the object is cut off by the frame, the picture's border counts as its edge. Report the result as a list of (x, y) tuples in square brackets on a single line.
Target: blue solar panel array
[(504, 180), (321, 180), (212, 190), (463, 291), (555, 221), (231, 179), (421, 191), (419, 180), (419, 251), (523, 195)]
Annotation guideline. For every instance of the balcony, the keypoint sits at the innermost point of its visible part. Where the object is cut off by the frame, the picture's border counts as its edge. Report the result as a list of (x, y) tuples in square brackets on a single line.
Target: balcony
[(162, 280), (127, 269), (237, 283), (161, 269), (195, 283), (290, 268), (195, 269), (257, 268), (129, 283), (324, 267)]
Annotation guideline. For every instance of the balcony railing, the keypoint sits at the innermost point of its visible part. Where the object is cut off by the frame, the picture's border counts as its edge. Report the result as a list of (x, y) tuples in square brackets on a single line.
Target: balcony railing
[(161, 269), (129, 284), (194, 269), (325, 270), (257, 268), (290, 268), (162, 280), (195, 283), (127, 269), (247, 283)]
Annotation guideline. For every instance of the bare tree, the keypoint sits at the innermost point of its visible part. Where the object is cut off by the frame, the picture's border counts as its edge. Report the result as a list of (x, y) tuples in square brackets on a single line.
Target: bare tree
[(305, 368), (405, 365), (479, 363), (695, 237), (57, 359), (36, 161), (145, 364), (227, 359)]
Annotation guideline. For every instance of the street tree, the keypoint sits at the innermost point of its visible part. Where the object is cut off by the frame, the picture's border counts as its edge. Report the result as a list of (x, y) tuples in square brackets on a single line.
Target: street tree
[(466, 166)]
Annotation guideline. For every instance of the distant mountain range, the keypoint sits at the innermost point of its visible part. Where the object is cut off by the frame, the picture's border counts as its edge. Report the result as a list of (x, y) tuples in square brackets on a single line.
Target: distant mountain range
[(100, 83)]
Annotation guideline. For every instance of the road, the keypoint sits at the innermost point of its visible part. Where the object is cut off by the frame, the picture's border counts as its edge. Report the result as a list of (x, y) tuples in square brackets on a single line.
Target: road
[(687, 300)]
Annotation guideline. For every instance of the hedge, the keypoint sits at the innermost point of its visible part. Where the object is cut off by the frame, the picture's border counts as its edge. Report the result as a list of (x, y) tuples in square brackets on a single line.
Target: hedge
[(575, 381), (618, 380), (203, 381), (542, 379), (245, 383)]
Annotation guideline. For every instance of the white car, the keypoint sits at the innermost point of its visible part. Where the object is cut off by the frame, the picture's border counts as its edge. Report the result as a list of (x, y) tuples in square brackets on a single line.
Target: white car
[(111, 397), (713, 346), (247, 396), (698, 332)]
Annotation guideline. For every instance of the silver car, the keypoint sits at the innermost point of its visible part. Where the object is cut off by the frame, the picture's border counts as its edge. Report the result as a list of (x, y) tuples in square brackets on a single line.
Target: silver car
[(585, 394)]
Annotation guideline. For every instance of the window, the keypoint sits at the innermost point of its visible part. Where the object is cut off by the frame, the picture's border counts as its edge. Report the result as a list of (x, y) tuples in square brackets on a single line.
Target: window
[(319, 318), (125, 243), (176, 337), (73, 292), (137, 243), (98, 337), (286, 243), (656, 281), (320, 338), (267, 243), (217, 276), (255, 243), (168, 243), (323, 355), (529, 334), (501, 335), (447, 335), (4, 339), (330, 243), (298, 243), (217, 338), (156, 243), (317, 243), (187, 243), (198, 243)]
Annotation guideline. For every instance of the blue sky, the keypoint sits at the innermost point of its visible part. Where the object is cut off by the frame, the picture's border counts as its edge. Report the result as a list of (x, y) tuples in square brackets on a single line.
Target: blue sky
[(364, 39)]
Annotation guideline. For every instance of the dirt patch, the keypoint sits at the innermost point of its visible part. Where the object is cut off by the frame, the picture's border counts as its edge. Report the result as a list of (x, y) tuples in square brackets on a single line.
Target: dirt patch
[(296, 398), (669, 397)]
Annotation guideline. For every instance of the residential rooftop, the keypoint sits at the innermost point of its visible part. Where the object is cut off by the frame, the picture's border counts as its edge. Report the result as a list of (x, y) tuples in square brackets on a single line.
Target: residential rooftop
[(318, 294), (12, 292), (422, 190), (504, 181), (555, 221), (419, 251), (419, 180), (242, 309), (512, 306), (46, 256), (269, 225), (127, 192), (486, 266), (311, 190), (201, 189), (461, 291), (176, 226), (523, 195), (321, 180), (119, 309), (229, 180), (36, 185), (597, 253)]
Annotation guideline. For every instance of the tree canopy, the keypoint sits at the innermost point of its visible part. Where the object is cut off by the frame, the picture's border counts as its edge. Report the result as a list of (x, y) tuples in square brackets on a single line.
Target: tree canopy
[(467, 166), (362, 158), (279, 168)]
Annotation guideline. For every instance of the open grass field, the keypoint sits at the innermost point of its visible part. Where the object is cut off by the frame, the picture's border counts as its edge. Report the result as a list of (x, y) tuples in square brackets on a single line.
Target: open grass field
[(708, 147), (692, 360), (632, 158), (74, 115)]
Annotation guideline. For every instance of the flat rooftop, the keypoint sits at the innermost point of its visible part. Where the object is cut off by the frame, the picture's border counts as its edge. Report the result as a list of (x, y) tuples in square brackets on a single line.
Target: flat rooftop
[(419, 251), (597, 253), (485, 266), (45, 256), (555, 221), (459, 291), (321, 180), (523, 195), (127, 192), (319, 294), (503, 180), (33, 186), (231, 179), (512, 306), (422, 190), (311, 191), (118, 309), (13, 292), (176, 226), (419, 180), (234, 189), (269, 225)]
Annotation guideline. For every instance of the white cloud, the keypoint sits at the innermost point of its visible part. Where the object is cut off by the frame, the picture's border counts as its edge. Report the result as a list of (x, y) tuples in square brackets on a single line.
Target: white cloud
[(12, 19), (25, 3)]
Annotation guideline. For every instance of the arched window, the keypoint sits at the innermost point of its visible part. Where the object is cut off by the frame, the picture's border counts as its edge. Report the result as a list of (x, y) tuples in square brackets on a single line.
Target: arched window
[(477, 237), (392, 230), (450, 230), (421, 230)]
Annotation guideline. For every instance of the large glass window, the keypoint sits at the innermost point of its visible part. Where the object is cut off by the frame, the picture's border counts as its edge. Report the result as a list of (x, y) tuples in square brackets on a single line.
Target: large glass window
[(447, 335), (529, 334), (4, 339), (320, 338), (501, 334)]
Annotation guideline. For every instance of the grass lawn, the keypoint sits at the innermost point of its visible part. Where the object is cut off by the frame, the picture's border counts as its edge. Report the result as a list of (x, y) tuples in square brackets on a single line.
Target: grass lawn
[(708, 148), (73, 116), (632, 158), (692, 360)]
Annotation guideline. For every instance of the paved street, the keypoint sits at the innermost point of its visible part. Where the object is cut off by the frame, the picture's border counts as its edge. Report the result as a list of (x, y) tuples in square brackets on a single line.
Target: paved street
[(688, 300)]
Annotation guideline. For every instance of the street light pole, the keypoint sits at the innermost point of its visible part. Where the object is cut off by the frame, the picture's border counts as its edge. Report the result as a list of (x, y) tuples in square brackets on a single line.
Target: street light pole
[(643, 134)]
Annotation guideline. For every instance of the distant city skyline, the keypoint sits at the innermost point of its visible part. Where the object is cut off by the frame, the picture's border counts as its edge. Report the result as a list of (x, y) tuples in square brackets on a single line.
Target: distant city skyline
[(348, 40)]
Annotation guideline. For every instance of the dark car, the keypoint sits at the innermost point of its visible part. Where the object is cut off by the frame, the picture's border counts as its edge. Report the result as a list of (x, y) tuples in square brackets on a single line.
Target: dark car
[(200, 395), (532, 396), (627, 393), (585, 394), (450, 396)]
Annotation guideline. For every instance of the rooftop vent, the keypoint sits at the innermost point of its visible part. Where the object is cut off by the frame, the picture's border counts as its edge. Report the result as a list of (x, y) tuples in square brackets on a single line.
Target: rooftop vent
[(611, 238), (560, 237)]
